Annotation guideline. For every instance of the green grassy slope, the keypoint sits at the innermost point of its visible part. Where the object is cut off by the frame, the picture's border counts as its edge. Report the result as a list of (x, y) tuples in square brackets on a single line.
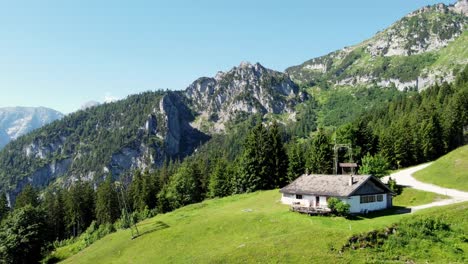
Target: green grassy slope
[(449, 171), (252, 227), (436, 235), (412, 197)]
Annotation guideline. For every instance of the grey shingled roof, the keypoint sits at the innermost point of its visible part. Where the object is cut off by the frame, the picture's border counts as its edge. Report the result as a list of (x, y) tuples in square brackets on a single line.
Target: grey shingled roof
[(327, 185)]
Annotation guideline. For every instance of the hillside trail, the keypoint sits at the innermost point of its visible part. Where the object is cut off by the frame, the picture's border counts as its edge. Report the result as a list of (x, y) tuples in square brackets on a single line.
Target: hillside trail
[(405, 177)]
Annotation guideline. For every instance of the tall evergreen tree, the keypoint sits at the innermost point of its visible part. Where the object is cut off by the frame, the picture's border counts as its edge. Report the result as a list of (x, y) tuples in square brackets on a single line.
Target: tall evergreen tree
[(320, 155), (431, 133), (79, 207), (278, 158), (107, 206), (4, 209), (296, 161), (254, 167), (27, 196), (220, 181), (53, 205)]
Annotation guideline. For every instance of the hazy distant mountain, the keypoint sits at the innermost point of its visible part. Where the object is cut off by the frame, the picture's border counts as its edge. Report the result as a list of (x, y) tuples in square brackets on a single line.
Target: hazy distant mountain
[(17, 121)]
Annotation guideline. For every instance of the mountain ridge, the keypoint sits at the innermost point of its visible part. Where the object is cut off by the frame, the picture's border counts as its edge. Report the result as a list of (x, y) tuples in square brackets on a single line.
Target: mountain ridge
[(404, 55), (18, 121)]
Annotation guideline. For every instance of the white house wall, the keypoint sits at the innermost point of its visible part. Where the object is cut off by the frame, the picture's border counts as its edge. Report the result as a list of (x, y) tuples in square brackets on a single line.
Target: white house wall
[(356, 206), (307, 200)]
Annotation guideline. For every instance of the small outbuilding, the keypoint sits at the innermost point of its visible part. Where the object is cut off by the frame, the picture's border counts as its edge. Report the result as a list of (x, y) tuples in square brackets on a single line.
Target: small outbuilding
[(363, 193)]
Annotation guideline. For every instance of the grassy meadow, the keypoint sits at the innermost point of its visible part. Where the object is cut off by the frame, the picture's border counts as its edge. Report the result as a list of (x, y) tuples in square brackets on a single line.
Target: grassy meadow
[(253, 227), (412, 197), (449, 171)]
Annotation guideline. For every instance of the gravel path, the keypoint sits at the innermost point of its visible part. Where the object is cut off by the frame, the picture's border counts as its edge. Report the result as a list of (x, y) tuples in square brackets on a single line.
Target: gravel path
[(404, 177)]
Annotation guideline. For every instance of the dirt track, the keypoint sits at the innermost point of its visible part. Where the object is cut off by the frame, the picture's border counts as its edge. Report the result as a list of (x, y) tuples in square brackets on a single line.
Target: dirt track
[(404, 177)]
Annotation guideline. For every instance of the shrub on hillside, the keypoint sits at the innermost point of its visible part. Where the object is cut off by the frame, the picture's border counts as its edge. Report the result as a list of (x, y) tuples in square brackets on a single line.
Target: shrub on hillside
[(338, 207), (393, 186)]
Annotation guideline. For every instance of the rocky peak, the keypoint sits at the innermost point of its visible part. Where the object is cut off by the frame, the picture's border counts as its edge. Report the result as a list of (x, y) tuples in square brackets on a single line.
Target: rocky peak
[(427, 29), (461, 7), (417, 51), (248, 88)]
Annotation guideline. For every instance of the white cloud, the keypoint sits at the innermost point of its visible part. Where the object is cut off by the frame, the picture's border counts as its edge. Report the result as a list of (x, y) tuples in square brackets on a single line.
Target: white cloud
[(109, 98)]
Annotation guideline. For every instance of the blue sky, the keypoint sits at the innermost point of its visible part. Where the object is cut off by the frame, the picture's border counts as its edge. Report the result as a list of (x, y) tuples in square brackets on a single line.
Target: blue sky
[(61, 54)]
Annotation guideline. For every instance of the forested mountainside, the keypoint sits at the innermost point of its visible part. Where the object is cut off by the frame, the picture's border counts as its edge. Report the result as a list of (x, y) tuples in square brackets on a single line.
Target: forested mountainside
[(424, 47), (17, 121), (138, 132), (143, 131)]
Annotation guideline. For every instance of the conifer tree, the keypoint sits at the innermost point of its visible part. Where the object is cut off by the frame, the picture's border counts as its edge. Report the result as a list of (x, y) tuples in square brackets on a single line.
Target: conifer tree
[(254, 166), (220, 182), (4, 209), (53, 205), (278, 158), (27, 196), (296, 162), (431, 132), (79, 207), (320, 156), (107, 207)]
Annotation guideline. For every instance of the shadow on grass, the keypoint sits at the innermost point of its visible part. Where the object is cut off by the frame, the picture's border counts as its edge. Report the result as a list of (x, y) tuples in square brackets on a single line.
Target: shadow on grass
[(156, 226), (395, 210)]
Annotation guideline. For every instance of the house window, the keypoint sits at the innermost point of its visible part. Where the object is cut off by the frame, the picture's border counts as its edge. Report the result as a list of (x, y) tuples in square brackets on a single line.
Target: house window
[(298, 196), (364, 199), (371, 198), (379, 197)]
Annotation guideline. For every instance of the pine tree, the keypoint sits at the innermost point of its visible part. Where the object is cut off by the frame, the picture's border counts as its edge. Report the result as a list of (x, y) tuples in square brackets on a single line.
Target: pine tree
[(107, 207), (79, 207), (135, 192), (254, 166), (53, 205), (4, 209), (320, 156), (220, 182), (278, 158), (27, 196), (296, 162), (431, 132)]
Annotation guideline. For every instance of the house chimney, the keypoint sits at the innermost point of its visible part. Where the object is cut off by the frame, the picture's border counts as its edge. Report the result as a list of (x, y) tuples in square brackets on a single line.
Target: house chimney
[(351, 180)]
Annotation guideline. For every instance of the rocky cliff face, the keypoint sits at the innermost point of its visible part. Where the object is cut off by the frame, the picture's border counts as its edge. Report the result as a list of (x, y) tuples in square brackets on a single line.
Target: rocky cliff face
[(17, 121), (415, 52), (246, 89)]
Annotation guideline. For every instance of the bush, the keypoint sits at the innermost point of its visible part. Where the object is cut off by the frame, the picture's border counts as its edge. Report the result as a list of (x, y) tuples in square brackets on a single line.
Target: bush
[(338, 207), (393, 186)]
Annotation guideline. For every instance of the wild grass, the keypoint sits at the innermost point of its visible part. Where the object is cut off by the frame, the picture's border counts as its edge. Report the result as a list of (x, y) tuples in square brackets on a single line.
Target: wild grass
[(252, 228), (412, 197), (449, 171)]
